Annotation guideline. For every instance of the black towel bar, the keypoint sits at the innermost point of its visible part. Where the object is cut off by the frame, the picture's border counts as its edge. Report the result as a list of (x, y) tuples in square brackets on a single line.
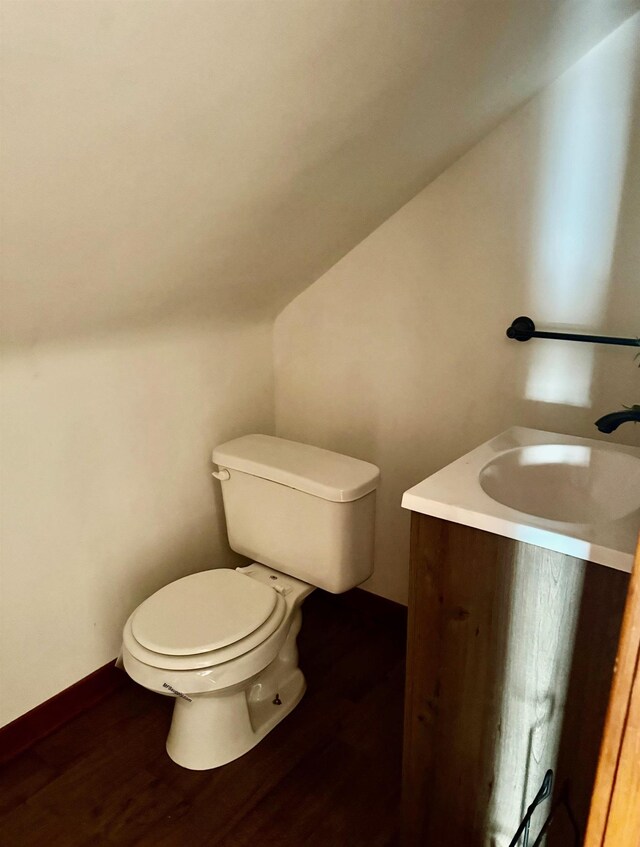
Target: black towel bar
[(523, 328)]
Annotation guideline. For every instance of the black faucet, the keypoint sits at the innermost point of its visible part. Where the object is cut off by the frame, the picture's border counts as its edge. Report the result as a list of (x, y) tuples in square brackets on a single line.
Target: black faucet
[(607, 423)]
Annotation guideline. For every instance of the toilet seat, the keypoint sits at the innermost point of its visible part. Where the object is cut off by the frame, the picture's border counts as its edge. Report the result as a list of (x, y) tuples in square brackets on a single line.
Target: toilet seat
[(202, 612), (198, 612)]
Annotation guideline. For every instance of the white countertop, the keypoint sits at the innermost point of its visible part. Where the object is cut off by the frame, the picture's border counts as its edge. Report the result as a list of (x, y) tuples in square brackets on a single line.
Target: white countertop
[(455, 494)]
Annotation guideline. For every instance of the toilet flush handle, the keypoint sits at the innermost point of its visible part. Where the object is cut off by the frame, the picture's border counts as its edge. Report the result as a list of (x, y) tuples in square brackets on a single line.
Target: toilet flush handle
[(222, 474)]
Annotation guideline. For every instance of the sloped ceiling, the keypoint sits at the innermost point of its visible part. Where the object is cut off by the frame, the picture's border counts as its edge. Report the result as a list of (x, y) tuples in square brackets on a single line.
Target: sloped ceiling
[(173, 159)]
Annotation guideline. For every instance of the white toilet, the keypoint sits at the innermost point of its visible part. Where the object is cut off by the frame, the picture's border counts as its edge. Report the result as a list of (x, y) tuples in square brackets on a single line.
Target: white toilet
[(223, 642)]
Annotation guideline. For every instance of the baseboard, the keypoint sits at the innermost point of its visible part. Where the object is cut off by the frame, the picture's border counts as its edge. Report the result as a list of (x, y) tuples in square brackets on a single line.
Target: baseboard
[(377, 601), (24, 731), (363, 604)]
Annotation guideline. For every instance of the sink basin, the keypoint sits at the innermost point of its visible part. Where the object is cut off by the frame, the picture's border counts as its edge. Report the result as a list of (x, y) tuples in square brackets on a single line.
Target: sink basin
[(578, 496), (565, 482)]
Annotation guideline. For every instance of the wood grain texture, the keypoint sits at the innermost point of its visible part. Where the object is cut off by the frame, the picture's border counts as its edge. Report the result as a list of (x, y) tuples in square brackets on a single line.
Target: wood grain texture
[(329, 774), (601, 610), (614, 819), (453, 666), (495, 691)]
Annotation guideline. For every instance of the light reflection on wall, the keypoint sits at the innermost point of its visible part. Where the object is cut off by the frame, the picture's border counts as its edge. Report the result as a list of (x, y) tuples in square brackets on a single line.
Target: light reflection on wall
[(581, 172)]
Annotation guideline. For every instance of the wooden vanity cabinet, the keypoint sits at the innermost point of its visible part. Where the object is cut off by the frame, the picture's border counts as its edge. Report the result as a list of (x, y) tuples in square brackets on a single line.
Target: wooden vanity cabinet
[(510, 656)]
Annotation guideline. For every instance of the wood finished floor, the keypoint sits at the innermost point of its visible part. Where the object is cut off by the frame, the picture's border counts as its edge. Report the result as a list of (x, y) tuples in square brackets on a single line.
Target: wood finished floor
[(328, 775)]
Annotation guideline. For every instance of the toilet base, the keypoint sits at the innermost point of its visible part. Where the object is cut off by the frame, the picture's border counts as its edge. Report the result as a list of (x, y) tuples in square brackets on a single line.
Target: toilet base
[(212, 730)]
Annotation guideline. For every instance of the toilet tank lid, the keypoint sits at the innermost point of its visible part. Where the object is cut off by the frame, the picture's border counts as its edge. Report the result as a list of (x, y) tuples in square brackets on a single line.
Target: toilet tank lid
[(322, 473)]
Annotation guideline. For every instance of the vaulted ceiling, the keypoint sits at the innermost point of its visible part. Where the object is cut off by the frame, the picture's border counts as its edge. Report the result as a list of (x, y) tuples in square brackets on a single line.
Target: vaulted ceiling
[(173, 159)]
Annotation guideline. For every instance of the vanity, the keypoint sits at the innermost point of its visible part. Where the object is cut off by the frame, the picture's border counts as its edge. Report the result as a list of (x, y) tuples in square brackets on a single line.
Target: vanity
[(520, 559)]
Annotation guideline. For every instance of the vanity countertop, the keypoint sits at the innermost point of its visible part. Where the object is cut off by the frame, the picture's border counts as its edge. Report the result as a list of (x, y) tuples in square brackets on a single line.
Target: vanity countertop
[(604, 505)]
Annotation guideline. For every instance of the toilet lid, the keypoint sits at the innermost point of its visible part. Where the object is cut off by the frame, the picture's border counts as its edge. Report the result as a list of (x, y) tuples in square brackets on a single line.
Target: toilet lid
[(211, 658), (202, 612)]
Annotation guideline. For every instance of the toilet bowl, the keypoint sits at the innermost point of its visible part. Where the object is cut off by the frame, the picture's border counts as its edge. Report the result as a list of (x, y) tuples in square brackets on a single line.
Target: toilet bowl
[(223, 644)]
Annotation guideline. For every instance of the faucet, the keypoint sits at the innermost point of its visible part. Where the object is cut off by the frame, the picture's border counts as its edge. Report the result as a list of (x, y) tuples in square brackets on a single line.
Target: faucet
[(607, 423)]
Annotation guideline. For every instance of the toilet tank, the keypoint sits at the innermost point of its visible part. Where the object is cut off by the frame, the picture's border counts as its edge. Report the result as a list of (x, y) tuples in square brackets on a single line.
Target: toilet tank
[(302, 510)]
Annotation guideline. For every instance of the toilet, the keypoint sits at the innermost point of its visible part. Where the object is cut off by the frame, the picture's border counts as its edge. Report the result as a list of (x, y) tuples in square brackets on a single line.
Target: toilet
[(222, 643)]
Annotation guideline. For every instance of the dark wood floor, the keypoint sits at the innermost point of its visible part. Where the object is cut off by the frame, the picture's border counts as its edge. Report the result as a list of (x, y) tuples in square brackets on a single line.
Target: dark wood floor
[(328, 775)]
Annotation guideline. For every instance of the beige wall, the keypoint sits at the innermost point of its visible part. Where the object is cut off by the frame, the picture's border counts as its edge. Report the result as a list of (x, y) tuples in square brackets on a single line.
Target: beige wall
[(106, 488), (167, 159), (397, 354), (173, 173)]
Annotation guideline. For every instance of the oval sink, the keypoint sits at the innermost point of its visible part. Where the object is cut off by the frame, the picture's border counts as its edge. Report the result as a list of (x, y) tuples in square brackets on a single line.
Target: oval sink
[(563, 482)]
